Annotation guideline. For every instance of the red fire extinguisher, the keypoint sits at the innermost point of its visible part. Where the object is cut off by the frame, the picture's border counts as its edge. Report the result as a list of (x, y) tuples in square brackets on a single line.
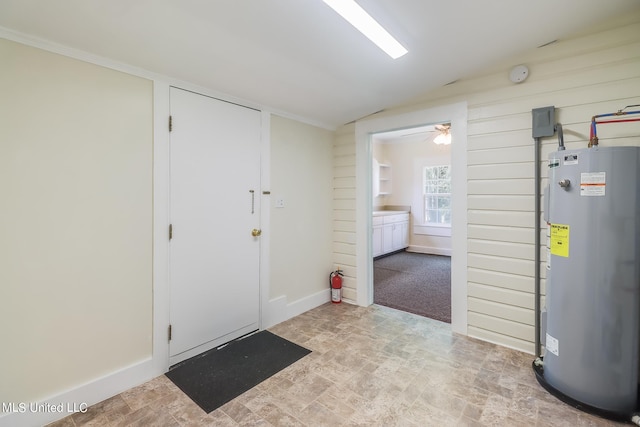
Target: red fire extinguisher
[(335, 281)]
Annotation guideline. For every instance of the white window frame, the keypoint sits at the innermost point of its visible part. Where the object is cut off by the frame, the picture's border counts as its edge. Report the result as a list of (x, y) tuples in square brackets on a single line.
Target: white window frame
[(424, 227), (425, 197)]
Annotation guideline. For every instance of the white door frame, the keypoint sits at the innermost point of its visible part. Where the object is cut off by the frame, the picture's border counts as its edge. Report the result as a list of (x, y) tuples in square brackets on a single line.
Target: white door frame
[(456, 114), (161, 185)]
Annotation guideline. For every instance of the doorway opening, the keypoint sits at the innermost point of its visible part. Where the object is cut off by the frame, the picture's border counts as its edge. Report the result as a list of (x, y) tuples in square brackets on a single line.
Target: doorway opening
[(411, 220), (456, 114)]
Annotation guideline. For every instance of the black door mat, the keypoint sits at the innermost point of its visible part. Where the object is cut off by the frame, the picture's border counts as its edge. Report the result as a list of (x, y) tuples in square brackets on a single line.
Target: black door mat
[(217, 376)]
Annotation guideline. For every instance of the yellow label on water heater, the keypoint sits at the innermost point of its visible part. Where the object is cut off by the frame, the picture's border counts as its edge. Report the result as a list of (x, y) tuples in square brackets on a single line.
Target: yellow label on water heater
[(560, 240)]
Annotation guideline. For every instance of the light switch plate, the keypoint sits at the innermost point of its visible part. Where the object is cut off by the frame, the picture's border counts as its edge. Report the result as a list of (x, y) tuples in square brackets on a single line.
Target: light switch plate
[(279, 203)]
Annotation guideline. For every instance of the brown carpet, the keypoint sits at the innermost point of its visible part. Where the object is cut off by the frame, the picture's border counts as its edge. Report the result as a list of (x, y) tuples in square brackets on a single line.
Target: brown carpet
[(415, 283)]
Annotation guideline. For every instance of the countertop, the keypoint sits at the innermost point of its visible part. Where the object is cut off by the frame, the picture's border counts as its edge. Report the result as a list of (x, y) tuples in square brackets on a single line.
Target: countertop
[(388, 212)]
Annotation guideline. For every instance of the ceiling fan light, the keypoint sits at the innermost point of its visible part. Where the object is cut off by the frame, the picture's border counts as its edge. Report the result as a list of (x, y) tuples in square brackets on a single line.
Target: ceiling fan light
[(443, 139), (359, 18)]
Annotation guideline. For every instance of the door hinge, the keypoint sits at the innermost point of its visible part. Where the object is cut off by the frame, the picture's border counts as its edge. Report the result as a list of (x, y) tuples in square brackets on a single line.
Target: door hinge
[(169, 332), (170, 123), (170, 231)]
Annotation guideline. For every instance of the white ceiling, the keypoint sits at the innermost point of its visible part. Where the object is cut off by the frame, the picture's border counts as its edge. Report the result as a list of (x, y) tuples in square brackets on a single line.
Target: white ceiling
[(299, 56)]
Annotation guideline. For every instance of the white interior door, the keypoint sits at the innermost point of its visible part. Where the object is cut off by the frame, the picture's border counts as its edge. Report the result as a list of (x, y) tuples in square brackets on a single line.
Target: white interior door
[(215, 205)]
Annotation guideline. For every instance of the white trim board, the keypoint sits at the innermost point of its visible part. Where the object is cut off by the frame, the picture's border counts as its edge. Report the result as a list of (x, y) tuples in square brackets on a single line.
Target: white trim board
[(429, 250), (161, 187), (277, 310), (430, 230)]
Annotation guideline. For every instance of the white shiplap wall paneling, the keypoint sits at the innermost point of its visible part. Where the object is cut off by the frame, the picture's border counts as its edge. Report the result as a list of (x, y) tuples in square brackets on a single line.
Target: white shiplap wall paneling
[(501, 233), (501, 295), (516, 282), (344, 213)]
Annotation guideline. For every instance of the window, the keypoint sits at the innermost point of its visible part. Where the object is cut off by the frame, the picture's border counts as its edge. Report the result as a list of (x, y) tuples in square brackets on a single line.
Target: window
[(437, 195)]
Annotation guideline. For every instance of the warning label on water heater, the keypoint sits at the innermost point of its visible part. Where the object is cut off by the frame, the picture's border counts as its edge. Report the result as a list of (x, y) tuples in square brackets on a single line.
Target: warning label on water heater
[(560, 240), (593, 183)]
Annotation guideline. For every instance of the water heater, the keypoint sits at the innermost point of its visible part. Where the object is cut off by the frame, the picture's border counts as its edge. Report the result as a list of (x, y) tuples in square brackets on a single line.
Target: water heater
[(591, 332)]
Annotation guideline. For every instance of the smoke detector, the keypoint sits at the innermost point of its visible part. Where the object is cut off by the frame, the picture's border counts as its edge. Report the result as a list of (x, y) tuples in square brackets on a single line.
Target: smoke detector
[(519, 73)]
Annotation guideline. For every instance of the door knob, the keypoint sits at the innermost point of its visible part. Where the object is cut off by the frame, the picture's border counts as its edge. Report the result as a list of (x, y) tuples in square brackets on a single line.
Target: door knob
[(255, 232)]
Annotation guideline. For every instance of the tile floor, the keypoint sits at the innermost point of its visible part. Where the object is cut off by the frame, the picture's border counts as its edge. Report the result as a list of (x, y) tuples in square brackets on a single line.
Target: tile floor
[(370, 366)]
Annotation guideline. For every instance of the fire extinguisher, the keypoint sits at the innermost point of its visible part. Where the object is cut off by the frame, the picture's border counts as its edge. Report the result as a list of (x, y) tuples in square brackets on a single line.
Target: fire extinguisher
[(335, 281)]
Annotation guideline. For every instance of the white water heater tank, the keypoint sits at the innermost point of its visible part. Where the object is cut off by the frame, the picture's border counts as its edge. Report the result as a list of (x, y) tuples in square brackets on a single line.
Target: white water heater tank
[(592, 301)]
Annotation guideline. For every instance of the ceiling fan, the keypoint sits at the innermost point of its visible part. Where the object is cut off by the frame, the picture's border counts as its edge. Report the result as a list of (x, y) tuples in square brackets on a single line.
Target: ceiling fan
[(444, 137)]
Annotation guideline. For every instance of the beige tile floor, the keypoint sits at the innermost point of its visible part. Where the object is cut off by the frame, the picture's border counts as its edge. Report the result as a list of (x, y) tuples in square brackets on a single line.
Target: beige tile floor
[(370, 366)]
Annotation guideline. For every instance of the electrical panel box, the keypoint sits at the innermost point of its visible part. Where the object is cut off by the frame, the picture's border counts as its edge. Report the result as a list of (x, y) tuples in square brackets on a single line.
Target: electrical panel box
[(543, 121)]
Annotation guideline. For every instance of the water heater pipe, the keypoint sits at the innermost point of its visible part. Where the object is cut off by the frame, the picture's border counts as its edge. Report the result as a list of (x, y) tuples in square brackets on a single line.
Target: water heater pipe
[(538, 212), (542, 126), (558, 128), (536, 258), (593, 136)]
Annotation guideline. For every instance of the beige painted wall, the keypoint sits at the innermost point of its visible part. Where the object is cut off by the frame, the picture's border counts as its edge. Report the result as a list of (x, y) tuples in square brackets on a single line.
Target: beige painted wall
[(76, 249), (595, 72), (300, 240)]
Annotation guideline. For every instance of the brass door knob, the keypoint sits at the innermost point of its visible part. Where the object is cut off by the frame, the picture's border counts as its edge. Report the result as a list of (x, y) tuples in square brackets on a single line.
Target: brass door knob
[(255, 232)]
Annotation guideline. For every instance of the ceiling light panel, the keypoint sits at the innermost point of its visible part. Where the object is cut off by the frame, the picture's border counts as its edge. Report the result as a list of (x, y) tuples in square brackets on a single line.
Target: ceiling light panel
[(359, 18)]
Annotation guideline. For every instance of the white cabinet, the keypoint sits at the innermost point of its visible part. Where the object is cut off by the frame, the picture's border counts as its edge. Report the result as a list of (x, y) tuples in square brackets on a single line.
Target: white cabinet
[(399, 236), (387, 238), (377, 236), (390, 233)]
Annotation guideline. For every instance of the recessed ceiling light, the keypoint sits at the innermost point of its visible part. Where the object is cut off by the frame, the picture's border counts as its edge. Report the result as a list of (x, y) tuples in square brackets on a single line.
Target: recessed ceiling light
[(359, 18)]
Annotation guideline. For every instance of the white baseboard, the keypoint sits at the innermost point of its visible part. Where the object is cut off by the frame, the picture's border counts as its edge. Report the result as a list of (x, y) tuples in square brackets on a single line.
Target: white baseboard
[(30, 414), (429, 250), (278, 310)]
